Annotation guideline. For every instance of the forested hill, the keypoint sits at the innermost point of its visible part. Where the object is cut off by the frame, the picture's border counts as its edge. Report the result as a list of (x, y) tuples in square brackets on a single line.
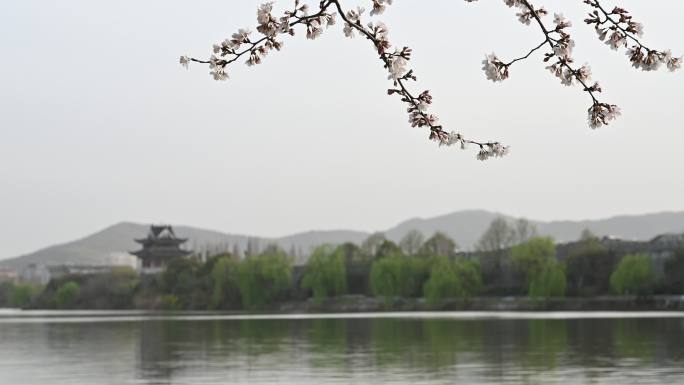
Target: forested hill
[(465, 227)]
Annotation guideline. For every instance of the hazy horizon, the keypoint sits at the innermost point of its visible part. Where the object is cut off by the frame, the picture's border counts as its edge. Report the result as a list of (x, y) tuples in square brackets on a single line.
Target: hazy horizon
[(333, 229), (113, 129)]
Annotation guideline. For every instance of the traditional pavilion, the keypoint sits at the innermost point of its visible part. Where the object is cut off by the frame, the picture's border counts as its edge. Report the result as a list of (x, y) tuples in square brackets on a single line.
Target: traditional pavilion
[(160, 247)]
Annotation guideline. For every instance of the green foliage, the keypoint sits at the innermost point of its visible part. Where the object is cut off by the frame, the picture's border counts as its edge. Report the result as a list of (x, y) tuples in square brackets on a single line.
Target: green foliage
[(179, 276), (530, 258), (452, 279), (67, 295), (549, 281), (438, 245), (21, 295), (169, 302), (188, 281), (225, 290), (398, 276), (674, 272), (114, 290), (589, 266), (388, 248), (326, 273), (633, 276), (535, 261), (352, 254), (471, 276), (496, 271), (225, 282), (444, 283), (5, 288), (357, 266), (264, 279), (385, 275)]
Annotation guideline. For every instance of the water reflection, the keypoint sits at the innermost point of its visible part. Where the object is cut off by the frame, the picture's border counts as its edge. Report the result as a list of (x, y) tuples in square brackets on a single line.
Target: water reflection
[(339, 350)]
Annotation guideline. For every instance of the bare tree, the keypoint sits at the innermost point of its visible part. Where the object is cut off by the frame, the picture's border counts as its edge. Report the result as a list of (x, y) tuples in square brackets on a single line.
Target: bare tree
[(614, 26), (438, 244), (498, 236), (523, 231), (411, 242), (502, 234), (372, 243), (588, 235)]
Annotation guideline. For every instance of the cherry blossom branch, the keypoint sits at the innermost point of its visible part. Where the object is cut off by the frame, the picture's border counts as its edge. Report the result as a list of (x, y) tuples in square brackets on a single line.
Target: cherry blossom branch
[(533, 50), (617, 22), (395, 62), (626, 28), (633, 27), (561, 46), (270, 27)]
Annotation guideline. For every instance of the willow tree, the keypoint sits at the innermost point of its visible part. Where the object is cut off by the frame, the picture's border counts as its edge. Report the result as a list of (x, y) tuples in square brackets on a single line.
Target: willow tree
[(326, 273), (613, 25)]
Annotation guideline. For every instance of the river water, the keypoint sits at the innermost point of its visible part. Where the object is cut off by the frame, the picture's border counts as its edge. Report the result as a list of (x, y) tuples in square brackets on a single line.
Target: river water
[(91, 348)]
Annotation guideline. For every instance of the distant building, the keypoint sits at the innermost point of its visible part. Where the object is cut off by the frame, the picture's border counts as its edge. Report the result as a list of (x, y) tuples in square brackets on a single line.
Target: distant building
[(40, 274), (662, 248), (123, 260), (61, 271), (659, 249), (160, 247), (35, 274), (668, 241), (8, 275)]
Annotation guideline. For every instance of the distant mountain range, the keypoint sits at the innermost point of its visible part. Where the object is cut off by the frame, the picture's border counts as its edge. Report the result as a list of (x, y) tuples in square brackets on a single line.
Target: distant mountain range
[(465, 227)]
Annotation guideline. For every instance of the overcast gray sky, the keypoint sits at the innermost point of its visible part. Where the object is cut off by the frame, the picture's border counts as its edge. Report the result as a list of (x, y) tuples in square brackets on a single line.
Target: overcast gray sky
[(99, 123)]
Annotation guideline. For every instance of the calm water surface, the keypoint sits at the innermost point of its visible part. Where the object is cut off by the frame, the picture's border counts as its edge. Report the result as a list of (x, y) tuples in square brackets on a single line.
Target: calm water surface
[(419, 348)]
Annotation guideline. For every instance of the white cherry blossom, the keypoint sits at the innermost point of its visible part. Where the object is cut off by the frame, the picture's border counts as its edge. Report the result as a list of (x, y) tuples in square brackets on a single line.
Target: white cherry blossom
[(615, 27), (185, 61)]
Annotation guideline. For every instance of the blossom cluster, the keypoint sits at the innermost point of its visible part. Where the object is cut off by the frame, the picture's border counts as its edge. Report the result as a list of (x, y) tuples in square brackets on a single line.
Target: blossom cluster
[(495, 69), (602, 113), (379, 6), (269, 27), (560, 55), (615, 27), (396, 61)]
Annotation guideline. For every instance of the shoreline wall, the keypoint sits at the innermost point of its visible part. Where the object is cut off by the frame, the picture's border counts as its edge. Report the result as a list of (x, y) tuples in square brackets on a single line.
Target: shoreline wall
[(368, 304)]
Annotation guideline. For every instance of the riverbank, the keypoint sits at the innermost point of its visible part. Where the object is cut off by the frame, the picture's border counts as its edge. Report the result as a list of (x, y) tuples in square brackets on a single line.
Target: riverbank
[(352, 304), (366, 304), (358, 304)]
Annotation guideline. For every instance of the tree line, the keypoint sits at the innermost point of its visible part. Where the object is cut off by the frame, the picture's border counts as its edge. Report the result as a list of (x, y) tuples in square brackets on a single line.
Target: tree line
[(511, 260)]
